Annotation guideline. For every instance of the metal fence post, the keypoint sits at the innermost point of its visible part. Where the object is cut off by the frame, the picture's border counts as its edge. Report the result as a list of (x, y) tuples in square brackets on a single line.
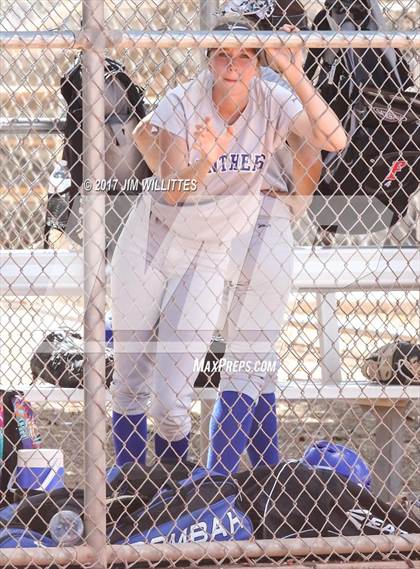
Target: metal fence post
[(329, 337), (94, 279)]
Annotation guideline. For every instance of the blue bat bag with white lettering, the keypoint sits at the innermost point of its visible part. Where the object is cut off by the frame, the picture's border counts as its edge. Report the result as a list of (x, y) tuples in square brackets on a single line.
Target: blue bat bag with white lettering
[(198, 509), (144, 505)]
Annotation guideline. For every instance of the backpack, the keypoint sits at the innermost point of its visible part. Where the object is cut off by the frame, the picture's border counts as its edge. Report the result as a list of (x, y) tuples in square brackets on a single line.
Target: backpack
[(59, 360), (17, 431), (373, 95), (124, 108)]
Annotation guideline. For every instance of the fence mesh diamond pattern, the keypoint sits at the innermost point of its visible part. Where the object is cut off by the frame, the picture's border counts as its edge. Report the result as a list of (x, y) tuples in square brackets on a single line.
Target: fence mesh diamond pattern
[(209, 283)]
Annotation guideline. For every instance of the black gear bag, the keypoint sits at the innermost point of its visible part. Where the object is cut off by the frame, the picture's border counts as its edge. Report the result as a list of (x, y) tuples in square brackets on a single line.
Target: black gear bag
[(372, 93), (299, 501), (59, 360), (124, 165)]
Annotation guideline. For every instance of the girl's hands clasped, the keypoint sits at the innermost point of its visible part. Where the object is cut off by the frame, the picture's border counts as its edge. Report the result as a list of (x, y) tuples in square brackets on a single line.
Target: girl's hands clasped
[(209, 142)]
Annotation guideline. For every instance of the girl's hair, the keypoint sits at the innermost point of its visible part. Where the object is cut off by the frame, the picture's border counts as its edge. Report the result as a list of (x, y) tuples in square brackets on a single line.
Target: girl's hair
[(235, 24)]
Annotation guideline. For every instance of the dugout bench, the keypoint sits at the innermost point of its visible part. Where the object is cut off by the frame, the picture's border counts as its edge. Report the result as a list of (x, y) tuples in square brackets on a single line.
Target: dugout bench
[(324, 271)]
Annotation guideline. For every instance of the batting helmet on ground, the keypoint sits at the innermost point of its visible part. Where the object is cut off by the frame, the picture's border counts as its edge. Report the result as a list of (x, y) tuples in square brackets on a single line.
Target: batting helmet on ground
[(342, 459)]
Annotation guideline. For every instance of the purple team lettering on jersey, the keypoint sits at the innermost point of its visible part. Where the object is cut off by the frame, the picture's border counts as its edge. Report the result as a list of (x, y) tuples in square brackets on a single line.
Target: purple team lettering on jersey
[(238, 162)]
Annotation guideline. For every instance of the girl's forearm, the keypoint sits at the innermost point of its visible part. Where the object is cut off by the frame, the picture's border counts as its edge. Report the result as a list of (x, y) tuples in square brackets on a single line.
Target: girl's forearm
[(327, 131), (306, 177)]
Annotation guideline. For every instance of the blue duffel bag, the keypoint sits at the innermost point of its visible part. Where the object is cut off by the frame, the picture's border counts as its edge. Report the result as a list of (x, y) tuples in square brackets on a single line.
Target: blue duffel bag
[(202, 507)]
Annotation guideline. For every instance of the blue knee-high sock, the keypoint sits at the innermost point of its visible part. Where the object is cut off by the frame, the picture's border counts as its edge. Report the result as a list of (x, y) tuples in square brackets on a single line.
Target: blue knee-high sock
[(171, 452), (129, 436), (264, 440), (230, 425)]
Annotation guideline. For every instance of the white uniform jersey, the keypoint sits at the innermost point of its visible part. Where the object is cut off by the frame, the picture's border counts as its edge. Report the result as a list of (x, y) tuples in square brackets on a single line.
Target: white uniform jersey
[(229, 203), (279, 171)]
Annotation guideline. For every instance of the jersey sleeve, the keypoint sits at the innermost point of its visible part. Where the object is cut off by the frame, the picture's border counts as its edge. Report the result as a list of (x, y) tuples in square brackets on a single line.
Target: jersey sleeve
[(286, 107), (169, 115)]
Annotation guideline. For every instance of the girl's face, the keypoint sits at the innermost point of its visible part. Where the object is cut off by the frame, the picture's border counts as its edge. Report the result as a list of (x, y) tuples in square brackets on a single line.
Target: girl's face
[(234, 68)]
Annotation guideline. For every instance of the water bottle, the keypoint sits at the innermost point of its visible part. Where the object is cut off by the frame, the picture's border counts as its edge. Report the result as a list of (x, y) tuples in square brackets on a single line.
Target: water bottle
[(58, 206), (66, 528)]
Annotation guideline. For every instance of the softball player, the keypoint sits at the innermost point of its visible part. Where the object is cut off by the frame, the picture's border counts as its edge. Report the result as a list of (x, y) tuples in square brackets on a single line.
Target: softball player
[(269, 258), (244, 414), (173, 255)]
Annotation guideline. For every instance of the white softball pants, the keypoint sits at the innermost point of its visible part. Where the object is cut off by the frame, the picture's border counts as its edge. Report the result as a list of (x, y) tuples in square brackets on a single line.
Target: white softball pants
[(166, 298), (255, 303)]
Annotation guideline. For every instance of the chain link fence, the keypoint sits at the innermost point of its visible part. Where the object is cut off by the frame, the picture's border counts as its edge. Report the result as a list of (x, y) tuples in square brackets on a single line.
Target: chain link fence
[(265, 362)]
